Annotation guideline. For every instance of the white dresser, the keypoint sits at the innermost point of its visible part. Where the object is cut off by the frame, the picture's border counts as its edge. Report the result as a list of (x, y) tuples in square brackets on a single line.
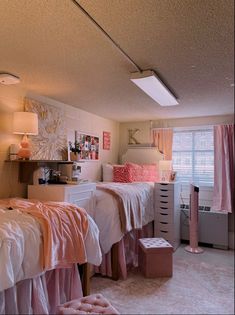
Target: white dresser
[(167, 212), (83, 195)]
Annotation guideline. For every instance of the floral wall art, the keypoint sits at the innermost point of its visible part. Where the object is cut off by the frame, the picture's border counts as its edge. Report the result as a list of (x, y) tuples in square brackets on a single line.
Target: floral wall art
[(51, 142)]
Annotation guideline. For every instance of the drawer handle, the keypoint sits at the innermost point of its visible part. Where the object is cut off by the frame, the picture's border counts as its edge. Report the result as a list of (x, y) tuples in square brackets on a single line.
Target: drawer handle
[(163, 196), (163, 213), (163, 231), (162, 184), (164, 201), (163, 208), (163, 222), (163, 189)]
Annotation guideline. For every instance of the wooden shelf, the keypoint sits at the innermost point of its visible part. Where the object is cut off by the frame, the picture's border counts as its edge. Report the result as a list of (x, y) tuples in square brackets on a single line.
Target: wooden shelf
[(27, 167), (39, 161)]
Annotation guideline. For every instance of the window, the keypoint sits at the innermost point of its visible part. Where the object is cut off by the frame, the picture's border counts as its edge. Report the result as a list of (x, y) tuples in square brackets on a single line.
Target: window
[(193, 155)]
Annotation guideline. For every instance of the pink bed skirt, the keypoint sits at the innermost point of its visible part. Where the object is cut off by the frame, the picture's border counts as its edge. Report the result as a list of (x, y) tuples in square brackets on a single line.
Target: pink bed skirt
[(127, 253), (42, 294)]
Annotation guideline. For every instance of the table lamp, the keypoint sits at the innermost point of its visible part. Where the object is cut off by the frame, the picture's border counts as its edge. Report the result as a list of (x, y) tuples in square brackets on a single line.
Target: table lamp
[(165, 166), (25, 123)]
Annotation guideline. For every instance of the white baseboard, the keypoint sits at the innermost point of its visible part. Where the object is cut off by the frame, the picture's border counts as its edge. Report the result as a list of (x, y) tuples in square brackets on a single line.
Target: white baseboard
[(231, 240)]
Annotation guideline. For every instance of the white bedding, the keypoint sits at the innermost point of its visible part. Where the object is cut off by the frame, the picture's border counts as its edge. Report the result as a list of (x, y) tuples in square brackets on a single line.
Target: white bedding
[(106, 216), (21, 247)]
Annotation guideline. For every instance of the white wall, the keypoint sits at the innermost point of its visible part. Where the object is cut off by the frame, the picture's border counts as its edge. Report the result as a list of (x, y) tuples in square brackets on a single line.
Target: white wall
[(11, 100), (144, 135)]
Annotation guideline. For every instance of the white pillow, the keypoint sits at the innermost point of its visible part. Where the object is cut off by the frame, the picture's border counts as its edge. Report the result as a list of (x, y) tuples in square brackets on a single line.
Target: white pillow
[(107, 171)]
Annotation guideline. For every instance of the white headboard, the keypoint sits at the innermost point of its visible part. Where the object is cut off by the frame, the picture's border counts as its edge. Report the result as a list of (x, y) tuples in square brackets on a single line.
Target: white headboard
[(142, 155)]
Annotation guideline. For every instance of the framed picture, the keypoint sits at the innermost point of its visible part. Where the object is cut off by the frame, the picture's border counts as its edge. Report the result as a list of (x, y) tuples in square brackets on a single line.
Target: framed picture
[(85, 146), (106, 140)]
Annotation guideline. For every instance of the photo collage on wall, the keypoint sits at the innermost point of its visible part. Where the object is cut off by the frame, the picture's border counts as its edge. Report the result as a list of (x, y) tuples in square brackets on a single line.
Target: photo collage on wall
[(89, 146)]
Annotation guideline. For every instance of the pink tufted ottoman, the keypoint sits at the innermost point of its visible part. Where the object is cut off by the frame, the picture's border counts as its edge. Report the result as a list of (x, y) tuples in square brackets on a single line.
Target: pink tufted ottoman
[(155, 257), (91, 304)]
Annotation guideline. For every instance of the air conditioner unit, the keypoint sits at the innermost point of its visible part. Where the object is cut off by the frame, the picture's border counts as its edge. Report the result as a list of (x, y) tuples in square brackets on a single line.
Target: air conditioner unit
[(212, 228)]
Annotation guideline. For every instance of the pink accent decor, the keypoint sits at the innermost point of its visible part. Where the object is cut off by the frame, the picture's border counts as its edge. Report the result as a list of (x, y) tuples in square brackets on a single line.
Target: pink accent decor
[(142, 173), (223, 195), (155, 258), (193, 222), (106, 140), (163, 139), (91, 304), (42, 294), (120, 174), (128, 250)]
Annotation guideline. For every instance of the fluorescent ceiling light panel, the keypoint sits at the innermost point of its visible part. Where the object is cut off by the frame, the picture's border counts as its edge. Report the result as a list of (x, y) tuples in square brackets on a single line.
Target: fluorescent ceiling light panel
[(153, 86)]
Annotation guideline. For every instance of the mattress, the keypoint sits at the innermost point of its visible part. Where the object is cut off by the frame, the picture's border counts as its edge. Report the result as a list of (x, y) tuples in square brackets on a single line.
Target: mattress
[(106, 214)]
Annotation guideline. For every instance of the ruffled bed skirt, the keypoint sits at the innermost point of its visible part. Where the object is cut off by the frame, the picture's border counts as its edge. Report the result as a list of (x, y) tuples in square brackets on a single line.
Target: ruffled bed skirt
[(127, 253), (42, 294)]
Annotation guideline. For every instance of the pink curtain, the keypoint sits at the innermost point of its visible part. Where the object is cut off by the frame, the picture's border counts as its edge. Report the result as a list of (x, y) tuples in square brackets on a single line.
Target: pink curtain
[(163, 139), (223, 195)]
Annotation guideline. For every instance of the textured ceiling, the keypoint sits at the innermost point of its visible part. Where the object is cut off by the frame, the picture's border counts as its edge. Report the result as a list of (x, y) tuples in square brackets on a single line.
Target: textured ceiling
[(59, 53)]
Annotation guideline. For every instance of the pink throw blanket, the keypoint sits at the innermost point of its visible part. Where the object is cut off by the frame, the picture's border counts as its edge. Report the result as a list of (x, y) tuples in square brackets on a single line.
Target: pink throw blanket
[(64, 227), (134, 199)]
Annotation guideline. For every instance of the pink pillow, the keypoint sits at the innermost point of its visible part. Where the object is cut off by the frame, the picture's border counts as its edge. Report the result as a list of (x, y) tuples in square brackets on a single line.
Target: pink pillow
[(142, 173), (120, 174)]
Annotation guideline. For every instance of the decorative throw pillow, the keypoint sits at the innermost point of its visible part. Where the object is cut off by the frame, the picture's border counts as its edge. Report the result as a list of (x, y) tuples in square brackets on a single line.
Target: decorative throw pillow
[(107, 172), (150, 173), (142, 173), (120, 174), (134, 172)]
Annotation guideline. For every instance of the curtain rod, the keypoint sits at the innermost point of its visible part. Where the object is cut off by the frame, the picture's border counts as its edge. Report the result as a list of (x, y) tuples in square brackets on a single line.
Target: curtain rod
[(192, 127)]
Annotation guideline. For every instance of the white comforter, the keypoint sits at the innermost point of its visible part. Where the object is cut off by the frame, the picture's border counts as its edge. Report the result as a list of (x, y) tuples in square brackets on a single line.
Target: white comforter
[(21, 247), (106, 216)]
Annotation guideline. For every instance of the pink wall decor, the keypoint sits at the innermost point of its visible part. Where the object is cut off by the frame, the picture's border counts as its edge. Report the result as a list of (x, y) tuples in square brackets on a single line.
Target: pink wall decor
[(106, 140)]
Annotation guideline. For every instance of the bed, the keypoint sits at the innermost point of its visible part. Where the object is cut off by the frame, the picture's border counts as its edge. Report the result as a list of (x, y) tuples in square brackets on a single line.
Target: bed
[(41, 244), (119, 236)]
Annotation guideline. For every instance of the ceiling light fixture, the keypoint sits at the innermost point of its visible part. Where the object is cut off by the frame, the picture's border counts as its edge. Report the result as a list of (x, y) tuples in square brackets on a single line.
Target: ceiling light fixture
[(153, 86), (147, 80), (8, 79)]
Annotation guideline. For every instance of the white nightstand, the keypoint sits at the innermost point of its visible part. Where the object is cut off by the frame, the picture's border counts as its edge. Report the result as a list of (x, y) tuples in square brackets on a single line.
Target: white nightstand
[(83, 195), (167, 212)]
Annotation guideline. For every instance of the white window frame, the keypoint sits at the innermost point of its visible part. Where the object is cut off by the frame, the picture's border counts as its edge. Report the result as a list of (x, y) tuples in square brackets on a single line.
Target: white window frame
[(193, 130)]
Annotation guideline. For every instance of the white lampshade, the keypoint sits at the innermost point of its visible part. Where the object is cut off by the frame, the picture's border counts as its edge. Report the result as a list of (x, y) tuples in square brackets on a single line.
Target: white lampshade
[(25, 123), (165, 165)]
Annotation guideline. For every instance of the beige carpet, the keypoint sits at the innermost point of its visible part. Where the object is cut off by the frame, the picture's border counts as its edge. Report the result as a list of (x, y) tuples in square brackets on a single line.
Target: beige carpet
[(201, 284)]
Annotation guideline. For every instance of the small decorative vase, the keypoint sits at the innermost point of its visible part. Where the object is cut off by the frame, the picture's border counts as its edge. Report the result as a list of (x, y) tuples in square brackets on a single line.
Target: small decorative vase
[(74, 156)]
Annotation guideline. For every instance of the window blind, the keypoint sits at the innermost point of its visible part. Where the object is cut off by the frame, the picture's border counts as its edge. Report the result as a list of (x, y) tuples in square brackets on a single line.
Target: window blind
[(193, 156)]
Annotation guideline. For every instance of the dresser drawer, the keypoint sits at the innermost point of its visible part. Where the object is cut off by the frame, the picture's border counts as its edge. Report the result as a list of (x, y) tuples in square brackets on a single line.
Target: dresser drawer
[(164, 186), (166, 235), (163, 194), (82, 195), (164, 203), (76, 197), (84, 198), (165, 227), (164, 218)]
